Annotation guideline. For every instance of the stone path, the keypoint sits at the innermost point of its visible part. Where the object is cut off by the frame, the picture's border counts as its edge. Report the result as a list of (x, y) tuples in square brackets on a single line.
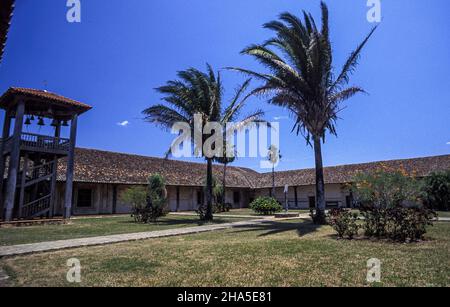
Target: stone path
[(3, 277), (23, 249)]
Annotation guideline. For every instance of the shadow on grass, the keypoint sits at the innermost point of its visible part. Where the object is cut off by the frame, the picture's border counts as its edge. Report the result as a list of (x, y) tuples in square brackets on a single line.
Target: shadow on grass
[(194, 221), (272, 228)]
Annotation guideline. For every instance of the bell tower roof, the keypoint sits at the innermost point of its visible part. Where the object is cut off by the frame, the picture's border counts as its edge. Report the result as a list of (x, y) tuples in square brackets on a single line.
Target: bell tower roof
[(42, 103)]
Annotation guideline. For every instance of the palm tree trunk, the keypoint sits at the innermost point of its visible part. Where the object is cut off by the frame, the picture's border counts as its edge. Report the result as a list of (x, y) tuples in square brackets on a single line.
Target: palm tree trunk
[(320, 183), (224, 184), (273, 181), (209, 187)]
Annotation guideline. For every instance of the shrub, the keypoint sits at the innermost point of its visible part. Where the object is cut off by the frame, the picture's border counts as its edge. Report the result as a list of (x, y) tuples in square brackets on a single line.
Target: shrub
[(221, 208), (436, 190), (137, 198), (344, 222), (391, 206), (266, 205), (149, 203)]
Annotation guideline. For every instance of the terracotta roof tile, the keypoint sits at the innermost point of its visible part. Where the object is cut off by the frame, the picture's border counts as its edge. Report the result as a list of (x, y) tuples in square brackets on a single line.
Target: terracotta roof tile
[(41, 95), (98, 166), (110, 167), (418, 167)]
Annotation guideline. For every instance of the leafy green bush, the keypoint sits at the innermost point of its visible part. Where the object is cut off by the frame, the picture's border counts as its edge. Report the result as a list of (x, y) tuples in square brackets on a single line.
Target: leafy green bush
[(148, 204), (391, 204), (436, 190), (344, 222), (266, 205)]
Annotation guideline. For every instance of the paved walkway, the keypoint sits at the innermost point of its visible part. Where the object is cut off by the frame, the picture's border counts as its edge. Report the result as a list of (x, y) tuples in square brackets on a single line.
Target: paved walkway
[(23, 249), (3, 278)]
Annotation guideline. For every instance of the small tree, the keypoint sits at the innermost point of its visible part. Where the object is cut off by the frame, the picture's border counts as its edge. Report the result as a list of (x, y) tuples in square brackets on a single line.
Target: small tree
[(436, 190), (157, 205), (137, 198), (148, 203)]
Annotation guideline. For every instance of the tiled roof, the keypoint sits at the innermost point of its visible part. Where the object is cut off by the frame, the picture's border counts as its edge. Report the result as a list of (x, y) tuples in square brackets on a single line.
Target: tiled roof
[(418, 167), (96, 166), (40, 95), (6, 10)]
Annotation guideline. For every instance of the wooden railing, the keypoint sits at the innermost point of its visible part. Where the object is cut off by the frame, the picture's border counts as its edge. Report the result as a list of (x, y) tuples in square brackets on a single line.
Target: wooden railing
[(31, 140), (39, 171), (36, 207)]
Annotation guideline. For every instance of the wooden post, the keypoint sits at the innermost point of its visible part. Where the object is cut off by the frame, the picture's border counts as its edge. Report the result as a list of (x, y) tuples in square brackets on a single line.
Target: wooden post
[(178, 199), (14, 162), (5, 135), (296, 196), (54, 172), (70, 168), (114, 204), (22, 184)]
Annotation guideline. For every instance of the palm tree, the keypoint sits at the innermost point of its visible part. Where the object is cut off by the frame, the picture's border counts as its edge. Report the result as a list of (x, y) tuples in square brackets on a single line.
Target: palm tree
[(274, 156), (302, 79), (227, 158), (196, 93)]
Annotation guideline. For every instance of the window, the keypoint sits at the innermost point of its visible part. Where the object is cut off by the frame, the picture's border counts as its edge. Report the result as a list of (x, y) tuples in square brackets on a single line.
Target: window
[(84, 198)]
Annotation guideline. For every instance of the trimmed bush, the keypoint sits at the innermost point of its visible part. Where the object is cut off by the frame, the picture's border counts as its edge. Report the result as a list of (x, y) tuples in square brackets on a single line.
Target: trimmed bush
[(266, 205)]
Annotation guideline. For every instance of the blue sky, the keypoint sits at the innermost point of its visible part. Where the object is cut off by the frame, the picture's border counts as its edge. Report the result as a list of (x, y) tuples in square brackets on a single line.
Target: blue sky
[(122, 50)]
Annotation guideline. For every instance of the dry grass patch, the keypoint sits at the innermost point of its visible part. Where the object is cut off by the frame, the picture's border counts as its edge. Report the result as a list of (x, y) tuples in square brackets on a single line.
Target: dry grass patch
[(276, 254)]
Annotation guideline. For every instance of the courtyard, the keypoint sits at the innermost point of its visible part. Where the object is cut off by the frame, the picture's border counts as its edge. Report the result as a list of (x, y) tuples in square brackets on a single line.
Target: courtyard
[(276, 253)]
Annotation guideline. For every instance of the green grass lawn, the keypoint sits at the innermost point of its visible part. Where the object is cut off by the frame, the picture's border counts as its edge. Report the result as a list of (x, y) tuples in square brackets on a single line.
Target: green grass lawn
[(91, 227), (294, 253)]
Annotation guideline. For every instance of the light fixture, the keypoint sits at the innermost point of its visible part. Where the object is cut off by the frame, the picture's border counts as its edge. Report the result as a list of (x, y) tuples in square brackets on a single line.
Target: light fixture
[(28, 121), (65, 124), (41, 122)]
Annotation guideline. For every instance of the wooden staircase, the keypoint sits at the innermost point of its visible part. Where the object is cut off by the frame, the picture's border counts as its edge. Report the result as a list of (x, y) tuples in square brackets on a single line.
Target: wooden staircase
[(35, 189)]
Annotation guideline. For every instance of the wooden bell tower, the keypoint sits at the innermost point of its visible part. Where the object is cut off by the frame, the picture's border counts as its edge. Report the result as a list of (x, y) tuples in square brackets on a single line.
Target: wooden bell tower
[(27, 189)]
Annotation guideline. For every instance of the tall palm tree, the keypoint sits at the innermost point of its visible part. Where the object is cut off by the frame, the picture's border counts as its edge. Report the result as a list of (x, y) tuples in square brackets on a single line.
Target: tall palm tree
[(225, 159), (302, 79), (200, 93)]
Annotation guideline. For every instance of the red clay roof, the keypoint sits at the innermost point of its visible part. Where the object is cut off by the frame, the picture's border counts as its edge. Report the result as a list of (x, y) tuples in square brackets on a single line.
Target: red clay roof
[(6, 10), (39, 95), (418, 167), (96, 166)]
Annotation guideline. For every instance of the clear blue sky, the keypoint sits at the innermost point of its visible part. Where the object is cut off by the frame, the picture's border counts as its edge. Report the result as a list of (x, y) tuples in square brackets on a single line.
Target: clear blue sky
[(122, 50)]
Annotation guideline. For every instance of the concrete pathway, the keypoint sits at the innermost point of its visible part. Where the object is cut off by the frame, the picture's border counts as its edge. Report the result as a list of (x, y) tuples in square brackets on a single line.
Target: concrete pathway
[(3, 278), (23, 249), (224, 215)]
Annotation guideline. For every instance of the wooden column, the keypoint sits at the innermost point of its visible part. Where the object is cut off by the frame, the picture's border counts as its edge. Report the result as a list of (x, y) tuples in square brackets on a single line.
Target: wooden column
[(178, 199), (54, 173), (70, 169), (114, 204), (5, 135), (296, 196), (22, 184), (14, 162)]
